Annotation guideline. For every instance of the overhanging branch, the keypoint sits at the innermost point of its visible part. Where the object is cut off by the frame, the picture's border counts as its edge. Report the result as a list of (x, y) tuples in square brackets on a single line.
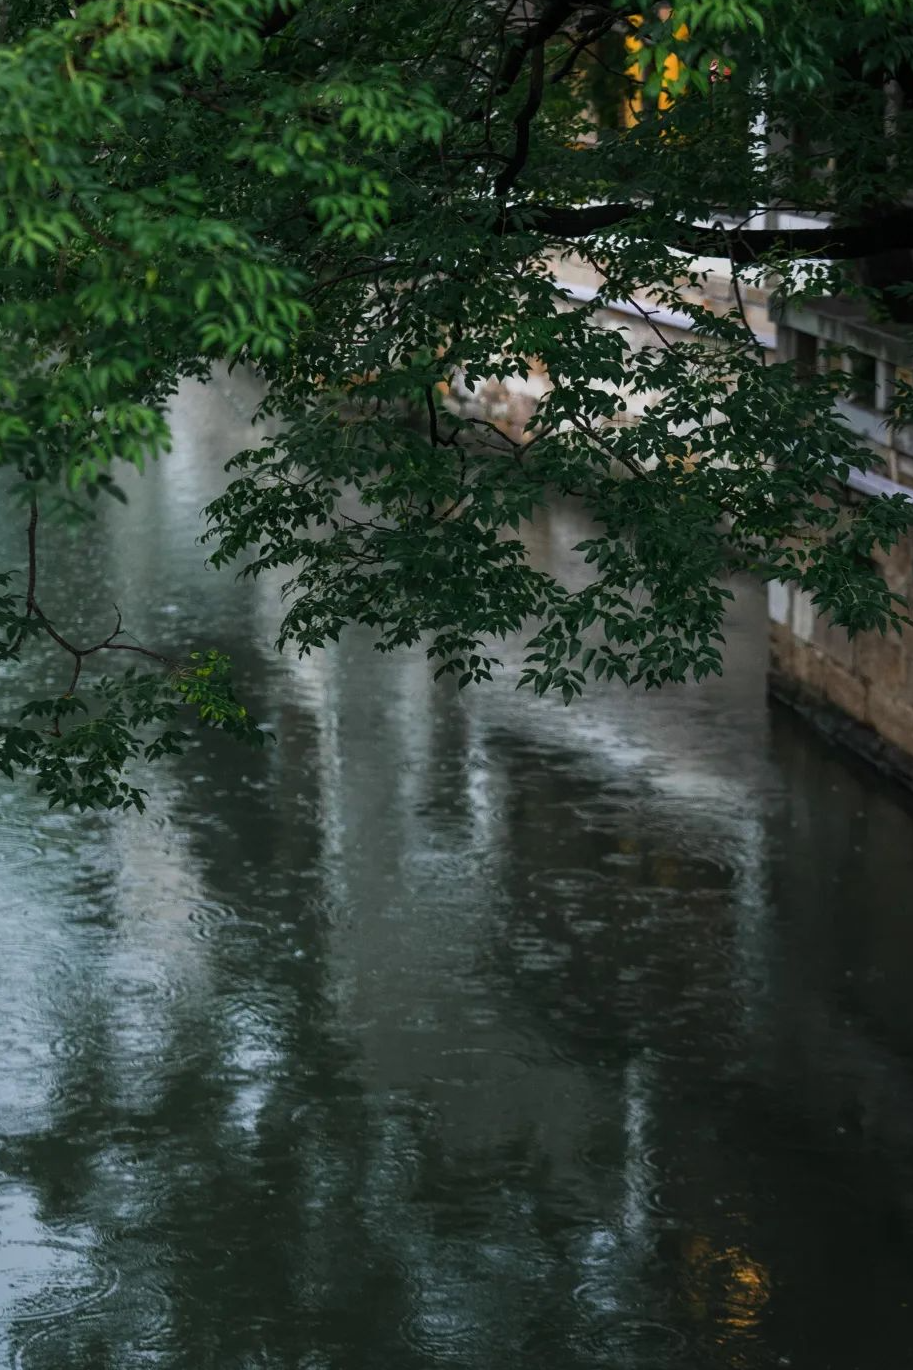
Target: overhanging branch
[(553, 16), (508, 174), (524, 41), (893, 232)]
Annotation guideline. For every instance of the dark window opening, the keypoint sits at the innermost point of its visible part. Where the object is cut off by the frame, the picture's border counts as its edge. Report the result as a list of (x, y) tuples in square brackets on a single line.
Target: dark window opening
[(864, 371), (806, 355)]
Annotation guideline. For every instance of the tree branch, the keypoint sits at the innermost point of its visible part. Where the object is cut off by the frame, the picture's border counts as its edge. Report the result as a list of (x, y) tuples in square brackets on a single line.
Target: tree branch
[(591, 34), (535, 36), (894, 231), (740, 303), (108, 645), (553, 16), (34, 610), (16, 645), (506, 177), (101, 238), (33, 557)]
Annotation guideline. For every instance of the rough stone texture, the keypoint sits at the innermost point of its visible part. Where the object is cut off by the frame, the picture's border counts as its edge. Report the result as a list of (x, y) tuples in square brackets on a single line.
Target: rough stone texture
[(906, 692), (808, 666), (835, 644), (897, 565), (860, 691), (782, 648), (846, 691), (893, 720), (880, 662)]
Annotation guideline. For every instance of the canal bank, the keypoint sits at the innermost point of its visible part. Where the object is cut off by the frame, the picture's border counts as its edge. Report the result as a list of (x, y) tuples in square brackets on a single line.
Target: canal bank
[(859, 692)]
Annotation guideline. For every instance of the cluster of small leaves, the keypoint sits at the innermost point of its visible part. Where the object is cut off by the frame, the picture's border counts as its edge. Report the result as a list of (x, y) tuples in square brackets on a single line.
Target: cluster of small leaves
[(78, 749), (81, 749), (206, 686)]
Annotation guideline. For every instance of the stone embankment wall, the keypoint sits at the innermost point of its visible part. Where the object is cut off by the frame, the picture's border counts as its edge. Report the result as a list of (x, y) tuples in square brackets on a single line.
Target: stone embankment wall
[(859, 691)]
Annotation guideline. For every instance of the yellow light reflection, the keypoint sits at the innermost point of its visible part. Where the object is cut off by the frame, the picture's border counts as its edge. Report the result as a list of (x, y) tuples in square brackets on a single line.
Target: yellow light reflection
[(728, 1285)]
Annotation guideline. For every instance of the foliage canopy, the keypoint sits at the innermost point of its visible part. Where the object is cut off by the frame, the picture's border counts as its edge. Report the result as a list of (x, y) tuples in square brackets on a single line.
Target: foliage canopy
[(369, 204)]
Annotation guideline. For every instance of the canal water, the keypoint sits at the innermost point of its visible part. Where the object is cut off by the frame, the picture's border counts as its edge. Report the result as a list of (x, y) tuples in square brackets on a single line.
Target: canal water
[(455, 1030)]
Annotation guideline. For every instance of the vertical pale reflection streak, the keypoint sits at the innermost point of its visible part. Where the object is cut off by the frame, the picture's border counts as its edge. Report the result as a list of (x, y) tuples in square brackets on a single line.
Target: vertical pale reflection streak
[(637, 1115)]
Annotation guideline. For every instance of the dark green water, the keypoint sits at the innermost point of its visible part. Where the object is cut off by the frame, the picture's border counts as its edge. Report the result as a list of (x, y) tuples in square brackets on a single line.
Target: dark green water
[(455, 1031)]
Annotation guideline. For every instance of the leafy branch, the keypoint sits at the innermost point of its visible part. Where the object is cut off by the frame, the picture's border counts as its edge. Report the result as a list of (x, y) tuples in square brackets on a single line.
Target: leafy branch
[(80, 753)]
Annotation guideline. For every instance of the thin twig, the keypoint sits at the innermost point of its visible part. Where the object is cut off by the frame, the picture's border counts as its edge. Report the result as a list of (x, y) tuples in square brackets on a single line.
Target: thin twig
[(629, 462), (97, 236), (591, 34), (16, 645), (596, 304), (33, 557), (740, 303), (34, 610), (645, 315), (203, 99), (131, 647)]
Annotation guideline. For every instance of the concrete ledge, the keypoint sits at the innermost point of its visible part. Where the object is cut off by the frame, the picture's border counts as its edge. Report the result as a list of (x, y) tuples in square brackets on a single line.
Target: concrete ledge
[(840, 727)]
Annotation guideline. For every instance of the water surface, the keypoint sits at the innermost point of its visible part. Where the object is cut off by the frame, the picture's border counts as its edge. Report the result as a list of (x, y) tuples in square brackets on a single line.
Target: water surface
[(454, 1030)]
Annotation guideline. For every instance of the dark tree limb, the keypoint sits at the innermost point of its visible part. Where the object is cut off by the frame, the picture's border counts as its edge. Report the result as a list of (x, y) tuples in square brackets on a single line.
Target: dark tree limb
[(32, 574), (33, 610), (591, 33), (31, 534), (524, 41), (107, 645), (554, 15), (740, 303), (523, 122), (96, 235), (894, 231)]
